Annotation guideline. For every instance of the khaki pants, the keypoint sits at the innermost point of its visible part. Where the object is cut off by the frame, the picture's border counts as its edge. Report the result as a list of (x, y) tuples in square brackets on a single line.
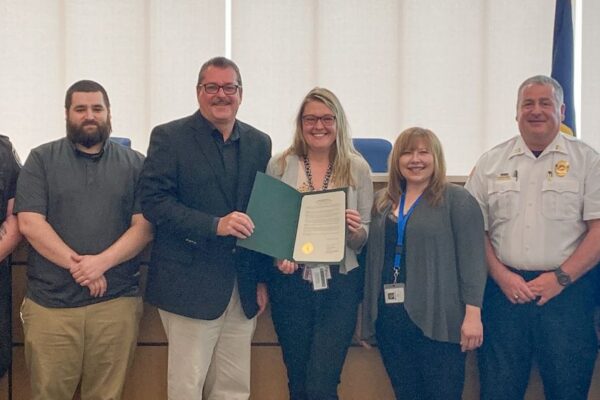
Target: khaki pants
[(210, 360), (93, 344)]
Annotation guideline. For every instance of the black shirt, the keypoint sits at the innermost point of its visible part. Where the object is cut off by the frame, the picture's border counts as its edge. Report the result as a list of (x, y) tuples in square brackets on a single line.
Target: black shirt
[(9, 171), (391, 237), (229, 157)]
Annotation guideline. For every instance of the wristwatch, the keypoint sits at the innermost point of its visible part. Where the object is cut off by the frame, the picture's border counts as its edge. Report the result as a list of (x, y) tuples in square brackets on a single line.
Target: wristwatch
[(562, 277)]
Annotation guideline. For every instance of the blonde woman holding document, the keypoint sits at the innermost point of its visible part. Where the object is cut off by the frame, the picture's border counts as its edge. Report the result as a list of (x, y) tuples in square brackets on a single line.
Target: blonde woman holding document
[(315, 323)]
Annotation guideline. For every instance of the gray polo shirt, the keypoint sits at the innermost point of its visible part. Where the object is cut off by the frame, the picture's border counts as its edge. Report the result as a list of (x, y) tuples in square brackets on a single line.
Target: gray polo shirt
[(89, 202)]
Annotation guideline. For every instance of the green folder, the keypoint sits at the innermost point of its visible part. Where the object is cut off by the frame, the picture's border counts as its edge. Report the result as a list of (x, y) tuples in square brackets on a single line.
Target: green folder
[(276, 209)]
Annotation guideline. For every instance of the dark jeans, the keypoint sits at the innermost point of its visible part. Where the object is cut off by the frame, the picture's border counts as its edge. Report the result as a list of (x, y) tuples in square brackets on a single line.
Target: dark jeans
[(559, 335), (315, 330), (5, 317), (418, 367)]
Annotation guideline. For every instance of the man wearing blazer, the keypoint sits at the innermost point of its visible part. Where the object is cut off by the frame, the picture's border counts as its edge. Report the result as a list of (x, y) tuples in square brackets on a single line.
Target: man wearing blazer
[(195, 187)]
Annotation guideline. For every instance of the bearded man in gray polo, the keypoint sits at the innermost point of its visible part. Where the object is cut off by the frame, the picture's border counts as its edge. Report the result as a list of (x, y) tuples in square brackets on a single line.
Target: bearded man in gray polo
[(77, 206)]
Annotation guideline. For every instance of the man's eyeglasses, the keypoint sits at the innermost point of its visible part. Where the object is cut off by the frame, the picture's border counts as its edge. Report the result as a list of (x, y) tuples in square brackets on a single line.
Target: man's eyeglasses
[(311, 120), (213, 88)]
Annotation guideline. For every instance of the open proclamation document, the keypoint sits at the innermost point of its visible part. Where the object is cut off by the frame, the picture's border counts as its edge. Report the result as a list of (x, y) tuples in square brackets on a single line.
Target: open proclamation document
[(302, 227)]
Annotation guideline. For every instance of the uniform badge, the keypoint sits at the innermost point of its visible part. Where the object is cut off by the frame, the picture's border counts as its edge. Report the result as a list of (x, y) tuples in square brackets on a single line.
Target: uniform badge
[(561, 168)]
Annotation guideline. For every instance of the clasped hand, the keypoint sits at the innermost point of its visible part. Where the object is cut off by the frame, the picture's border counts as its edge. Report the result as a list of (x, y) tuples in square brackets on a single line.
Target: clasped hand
[(518, 291), (88, 270)]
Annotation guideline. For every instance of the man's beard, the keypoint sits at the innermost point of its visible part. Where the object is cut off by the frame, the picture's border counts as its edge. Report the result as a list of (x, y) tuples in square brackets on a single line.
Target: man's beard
[(78, 135)]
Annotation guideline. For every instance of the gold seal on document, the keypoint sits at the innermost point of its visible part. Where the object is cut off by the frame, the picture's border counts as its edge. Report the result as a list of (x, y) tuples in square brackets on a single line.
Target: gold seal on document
[(561, 168), (307, 248)]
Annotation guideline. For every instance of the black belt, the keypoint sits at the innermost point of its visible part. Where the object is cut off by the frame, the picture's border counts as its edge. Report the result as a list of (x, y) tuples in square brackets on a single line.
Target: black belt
[(527, 275)]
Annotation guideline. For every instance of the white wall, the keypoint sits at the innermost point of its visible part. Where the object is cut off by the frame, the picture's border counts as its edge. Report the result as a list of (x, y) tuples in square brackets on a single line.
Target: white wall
[(449, 65), (590, 78)]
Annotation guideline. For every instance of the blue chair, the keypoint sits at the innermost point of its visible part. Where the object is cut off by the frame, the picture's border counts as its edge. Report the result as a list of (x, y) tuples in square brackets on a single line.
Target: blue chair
[(123, 141), (375, 151)]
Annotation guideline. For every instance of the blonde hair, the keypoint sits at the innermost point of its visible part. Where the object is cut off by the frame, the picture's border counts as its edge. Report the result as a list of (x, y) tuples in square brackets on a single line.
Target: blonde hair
[(408, 141), (343, 151)]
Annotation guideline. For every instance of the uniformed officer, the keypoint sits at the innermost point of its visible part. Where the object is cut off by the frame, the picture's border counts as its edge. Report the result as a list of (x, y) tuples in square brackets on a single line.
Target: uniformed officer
[(540, 197), (9, 238)]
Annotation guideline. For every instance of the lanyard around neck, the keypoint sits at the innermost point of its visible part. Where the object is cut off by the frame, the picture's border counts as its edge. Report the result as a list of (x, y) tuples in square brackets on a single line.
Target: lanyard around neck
[(308, 172), (401, 225)]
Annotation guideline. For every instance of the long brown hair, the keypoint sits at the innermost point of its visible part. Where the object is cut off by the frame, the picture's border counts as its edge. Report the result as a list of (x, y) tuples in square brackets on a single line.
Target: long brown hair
[(343, 150), (407, 141)]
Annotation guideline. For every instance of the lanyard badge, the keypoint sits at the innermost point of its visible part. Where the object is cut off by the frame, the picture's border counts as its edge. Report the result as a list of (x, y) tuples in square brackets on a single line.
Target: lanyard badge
[(318, 275), (394, 292)]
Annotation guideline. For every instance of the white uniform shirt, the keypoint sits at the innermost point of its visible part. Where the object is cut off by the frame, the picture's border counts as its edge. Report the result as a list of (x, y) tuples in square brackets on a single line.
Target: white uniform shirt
[(534, 208)]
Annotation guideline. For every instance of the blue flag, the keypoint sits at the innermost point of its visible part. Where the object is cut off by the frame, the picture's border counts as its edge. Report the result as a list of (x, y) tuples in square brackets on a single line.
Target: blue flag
[(562, 60)]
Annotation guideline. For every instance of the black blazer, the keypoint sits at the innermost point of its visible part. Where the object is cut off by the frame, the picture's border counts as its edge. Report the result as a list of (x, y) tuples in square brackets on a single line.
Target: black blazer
[(192, 271)]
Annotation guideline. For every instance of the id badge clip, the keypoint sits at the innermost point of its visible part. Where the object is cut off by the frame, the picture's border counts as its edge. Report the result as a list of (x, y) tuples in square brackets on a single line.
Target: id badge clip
[(319, 274), (393, 293)]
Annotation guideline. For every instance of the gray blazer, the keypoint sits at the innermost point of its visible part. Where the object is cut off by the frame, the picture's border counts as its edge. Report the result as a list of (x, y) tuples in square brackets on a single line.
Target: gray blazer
[(445, 265), (359, 198)]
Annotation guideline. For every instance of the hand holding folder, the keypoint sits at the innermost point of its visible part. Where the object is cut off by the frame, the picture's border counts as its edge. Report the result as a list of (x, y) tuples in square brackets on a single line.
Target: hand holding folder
[(303, 227)]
